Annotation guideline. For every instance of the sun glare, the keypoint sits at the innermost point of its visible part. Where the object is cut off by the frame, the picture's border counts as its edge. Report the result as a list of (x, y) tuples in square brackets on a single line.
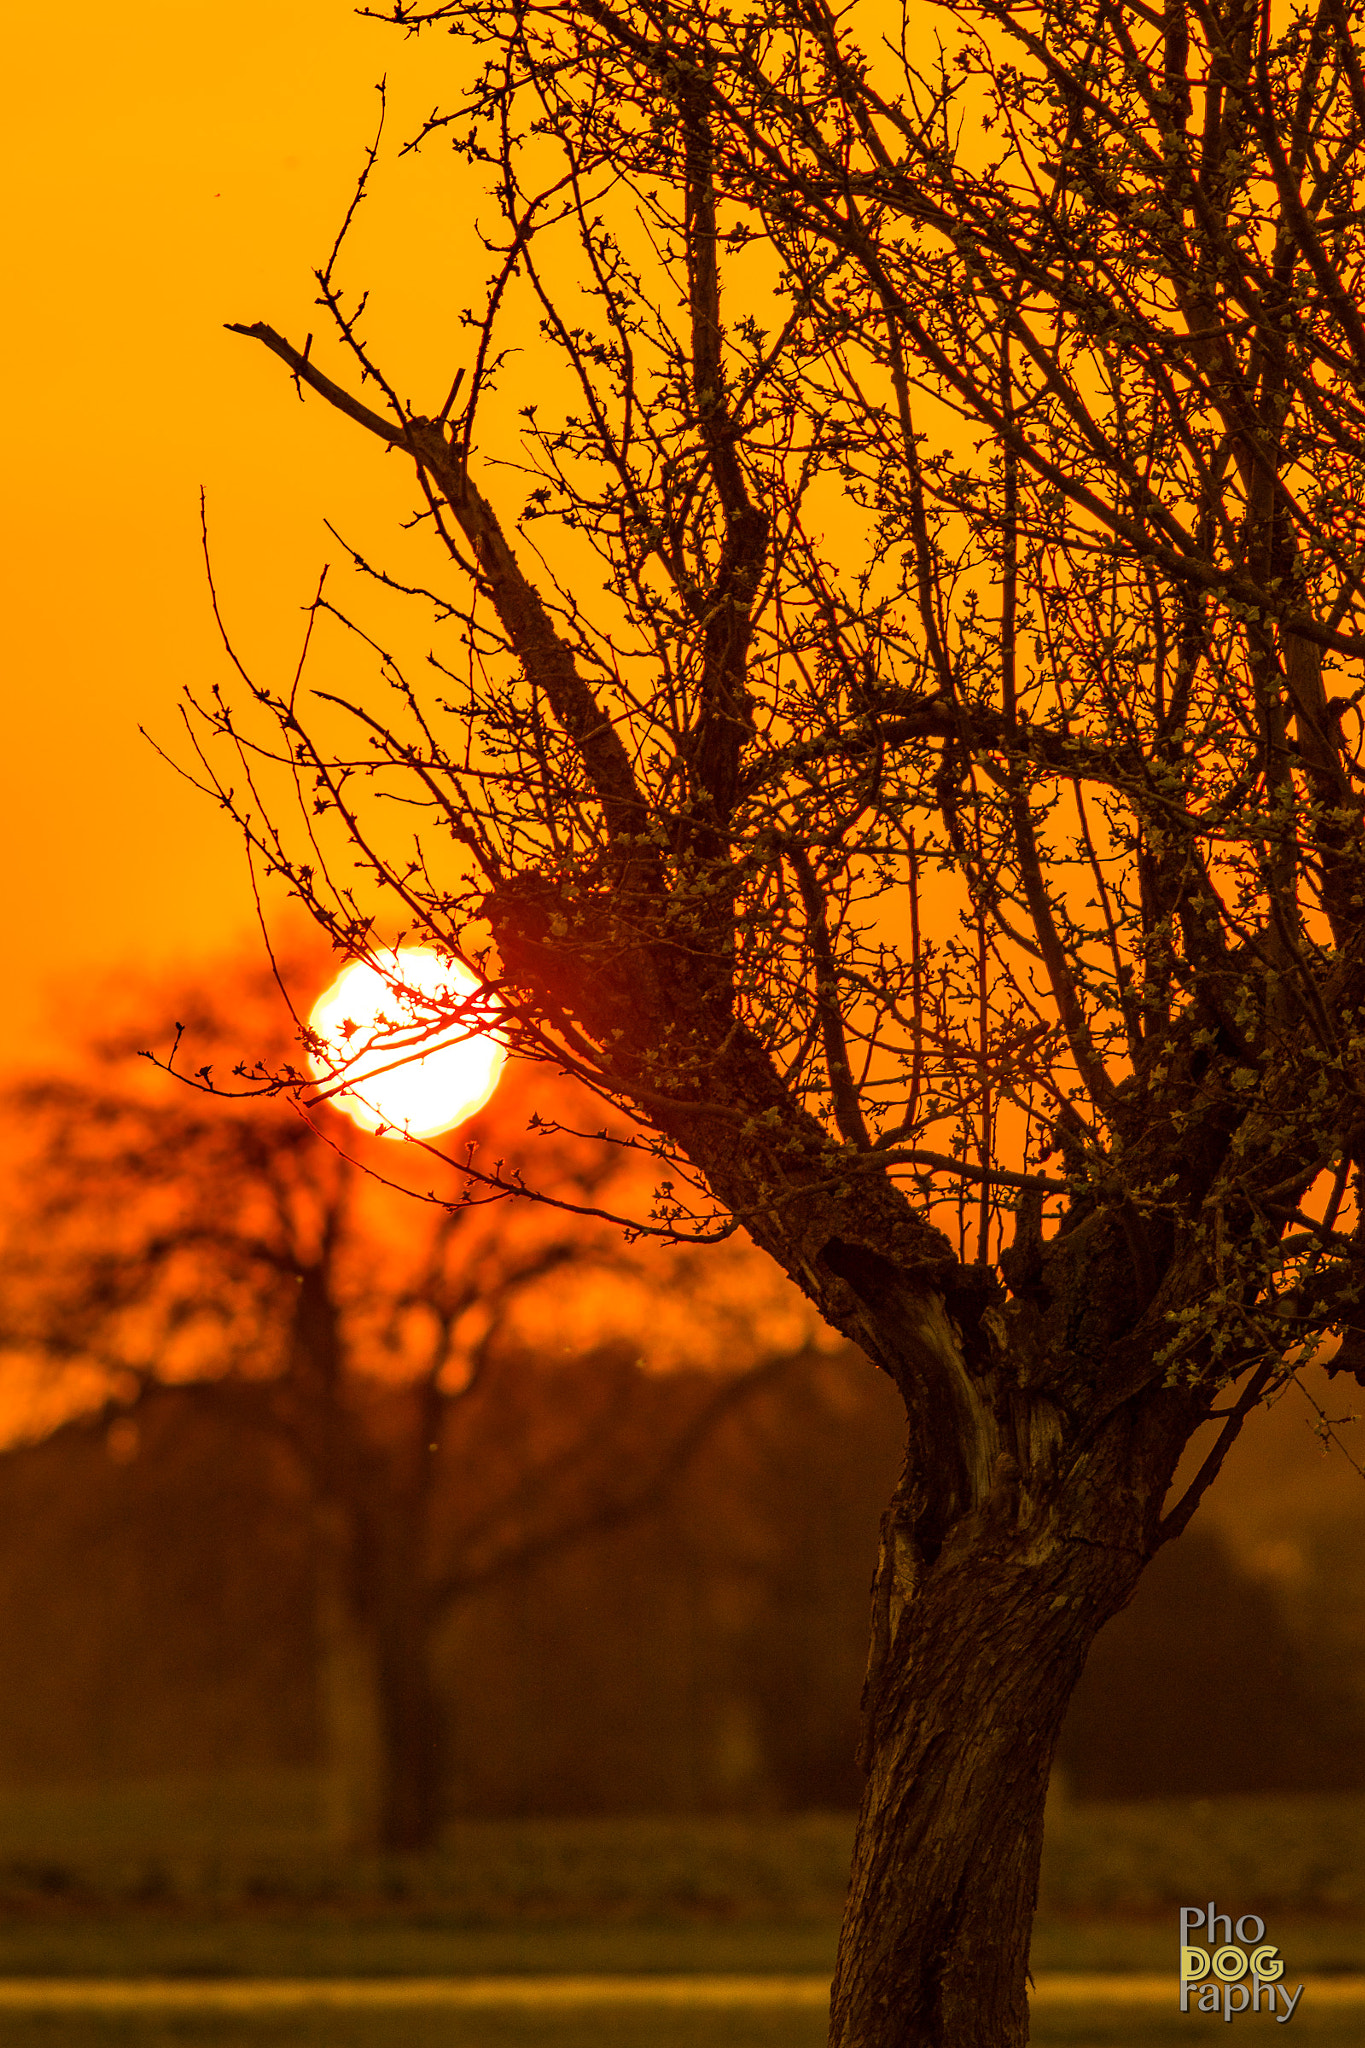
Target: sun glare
[(375, 1031)]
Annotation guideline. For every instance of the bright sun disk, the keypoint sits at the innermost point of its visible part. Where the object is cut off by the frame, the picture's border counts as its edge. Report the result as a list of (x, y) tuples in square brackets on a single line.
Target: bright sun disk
[(376, 1030)]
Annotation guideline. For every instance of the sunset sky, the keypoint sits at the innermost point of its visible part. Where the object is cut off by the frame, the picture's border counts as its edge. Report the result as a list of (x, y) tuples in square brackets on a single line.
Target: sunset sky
[(174, 167)]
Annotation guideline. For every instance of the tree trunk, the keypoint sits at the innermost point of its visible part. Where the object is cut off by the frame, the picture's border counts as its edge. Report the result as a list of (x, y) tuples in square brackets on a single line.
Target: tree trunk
[(411, 1783), (975, 1658), (381, 1721), (350, 1705)]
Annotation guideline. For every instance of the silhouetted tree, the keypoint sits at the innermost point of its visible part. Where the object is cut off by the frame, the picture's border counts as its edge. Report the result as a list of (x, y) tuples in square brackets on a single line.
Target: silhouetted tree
[(420, 1365), (892, 741)]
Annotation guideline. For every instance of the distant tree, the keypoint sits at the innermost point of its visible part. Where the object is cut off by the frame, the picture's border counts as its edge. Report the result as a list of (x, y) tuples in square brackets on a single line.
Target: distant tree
[(431, 1372), (898, 732)]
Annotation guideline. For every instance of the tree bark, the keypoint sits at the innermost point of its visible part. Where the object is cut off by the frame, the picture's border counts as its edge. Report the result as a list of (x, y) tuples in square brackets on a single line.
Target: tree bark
[(975, 1656)]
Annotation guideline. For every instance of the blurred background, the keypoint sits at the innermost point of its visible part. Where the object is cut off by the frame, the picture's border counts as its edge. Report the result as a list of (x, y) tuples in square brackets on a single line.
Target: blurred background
[(165, 1614), (423, 1512)]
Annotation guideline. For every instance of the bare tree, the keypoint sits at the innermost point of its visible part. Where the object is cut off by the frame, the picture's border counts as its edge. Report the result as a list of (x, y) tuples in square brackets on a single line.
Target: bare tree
[(938, 812), (432, 1373)]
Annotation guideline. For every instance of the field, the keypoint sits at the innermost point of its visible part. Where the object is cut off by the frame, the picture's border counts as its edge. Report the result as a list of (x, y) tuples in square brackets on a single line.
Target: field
[(230, 1884), (1100, 2026)]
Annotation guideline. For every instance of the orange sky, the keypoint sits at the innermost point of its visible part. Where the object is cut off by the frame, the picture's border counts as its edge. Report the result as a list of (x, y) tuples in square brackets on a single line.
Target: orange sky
[(171, 167), (174, 167)]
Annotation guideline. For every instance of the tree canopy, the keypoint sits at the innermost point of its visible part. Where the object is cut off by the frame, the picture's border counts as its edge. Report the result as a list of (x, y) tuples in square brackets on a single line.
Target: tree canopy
[(897, 733)]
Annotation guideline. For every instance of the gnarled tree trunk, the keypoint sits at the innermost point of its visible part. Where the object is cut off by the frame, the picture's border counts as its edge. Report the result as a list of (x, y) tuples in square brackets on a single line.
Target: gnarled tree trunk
[(964, 1714), (1028, 1508)]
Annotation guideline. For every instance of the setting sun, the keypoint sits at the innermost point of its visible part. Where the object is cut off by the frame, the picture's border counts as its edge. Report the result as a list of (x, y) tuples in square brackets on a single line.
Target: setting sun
[(373, 1027)]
